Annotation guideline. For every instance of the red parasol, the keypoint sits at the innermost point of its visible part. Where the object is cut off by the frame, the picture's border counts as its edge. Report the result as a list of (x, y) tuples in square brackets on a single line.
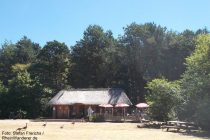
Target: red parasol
[(142, 105), (122, 105), (105, 105)]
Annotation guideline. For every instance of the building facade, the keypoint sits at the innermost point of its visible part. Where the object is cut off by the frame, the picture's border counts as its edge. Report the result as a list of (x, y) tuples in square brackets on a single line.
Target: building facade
[(68, 104)]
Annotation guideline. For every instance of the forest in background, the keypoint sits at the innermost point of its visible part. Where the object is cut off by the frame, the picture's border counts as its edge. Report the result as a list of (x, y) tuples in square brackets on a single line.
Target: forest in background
[(168, 69)]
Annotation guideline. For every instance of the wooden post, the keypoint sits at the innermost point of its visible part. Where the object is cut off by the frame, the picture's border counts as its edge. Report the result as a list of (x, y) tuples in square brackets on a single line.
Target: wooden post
[(54, 112), (100, 110), (68, 112), (124, 113)]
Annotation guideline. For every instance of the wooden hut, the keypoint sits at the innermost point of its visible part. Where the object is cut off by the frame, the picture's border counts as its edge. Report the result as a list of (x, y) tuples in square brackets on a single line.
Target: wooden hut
[(75, 103)]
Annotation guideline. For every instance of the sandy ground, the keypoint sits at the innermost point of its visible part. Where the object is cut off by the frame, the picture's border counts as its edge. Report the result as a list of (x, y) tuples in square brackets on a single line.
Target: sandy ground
[(85, 131)]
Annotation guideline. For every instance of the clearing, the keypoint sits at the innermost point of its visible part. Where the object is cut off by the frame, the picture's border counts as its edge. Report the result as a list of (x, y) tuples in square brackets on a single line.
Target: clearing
[(86, 131)]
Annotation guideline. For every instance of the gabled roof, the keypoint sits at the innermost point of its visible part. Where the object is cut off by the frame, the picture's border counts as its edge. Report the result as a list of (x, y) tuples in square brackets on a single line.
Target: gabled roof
[(90, 97)]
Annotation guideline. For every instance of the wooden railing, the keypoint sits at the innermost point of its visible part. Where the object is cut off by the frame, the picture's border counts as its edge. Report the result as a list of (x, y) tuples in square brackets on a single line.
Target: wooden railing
[(110, 117)]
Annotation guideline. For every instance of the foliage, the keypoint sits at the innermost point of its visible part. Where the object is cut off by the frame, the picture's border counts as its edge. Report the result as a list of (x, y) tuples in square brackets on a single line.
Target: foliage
[(3, 89), (26, 51), (31, 74), (98, 118), (7, 59), (21, 94), (164, 97), (24, 94), (87, 58), (150, 51), (20, 67), (179, 47), (53, 65), (195, 84), (23, 52), (142, 46)]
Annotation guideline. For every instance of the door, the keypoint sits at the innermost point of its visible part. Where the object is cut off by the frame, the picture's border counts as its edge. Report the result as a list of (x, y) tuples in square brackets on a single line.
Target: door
[(62, 112), (65, 112)]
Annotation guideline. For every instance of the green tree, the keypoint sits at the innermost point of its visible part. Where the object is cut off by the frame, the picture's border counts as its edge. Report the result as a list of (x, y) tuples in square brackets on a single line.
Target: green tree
[(3, 93), (179, 47), (25, 93), (195, 84), (53, 65), (24, 52), (164, 99), (112, 69), (7, 59), (88, 60), (142, 46)]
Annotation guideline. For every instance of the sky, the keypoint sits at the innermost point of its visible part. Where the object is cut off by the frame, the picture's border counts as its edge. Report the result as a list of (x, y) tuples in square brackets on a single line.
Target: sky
[(66, 20)]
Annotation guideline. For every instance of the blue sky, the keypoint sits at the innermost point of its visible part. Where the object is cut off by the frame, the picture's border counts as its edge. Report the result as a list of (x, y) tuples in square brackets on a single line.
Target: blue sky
[(66, 20)]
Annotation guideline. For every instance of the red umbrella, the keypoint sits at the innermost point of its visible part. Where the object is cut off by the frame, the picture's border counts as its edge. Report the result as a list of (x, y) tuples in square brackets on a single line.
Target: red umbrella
[(105, 105), (142, 105), (122, 105)]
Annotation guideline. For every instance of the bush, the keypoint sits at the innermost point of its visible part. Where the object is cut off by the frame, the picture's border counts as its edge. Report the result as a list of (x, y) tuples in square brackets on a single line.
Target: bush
[(202, 114), (195, 85), (98, 118), (163, 98)]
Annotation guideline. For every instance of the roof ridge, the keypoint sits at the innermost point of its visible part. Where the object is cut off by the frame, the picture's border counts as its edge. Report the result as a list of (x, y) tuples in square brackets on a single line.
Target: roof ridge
[(91, 89)]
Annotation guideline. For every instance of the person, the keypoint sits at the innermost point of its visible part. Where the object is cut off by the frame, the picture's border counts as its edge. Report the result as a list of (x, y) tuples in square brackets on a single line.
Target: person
[(140, 115), (90, 113)]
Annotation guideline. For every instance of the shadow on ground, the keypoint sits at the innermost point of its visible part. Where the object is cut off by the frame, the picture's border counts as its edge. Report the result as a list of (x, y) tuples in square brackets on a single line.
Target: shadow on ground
[(195, 133), (201, 134), (149, 125)]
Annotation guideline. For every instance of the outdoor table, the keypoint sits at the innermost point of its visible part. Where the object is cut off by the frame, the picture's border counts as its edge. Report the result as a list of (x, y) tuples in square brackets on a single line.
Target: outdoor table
[(179, 125), (186, 125)]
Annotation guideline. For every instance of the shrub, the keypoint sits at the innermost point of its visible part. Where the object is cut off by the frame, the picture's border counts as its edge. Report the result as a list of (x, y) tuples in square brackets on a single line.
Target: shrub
[(163, 98), (98, 118)]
